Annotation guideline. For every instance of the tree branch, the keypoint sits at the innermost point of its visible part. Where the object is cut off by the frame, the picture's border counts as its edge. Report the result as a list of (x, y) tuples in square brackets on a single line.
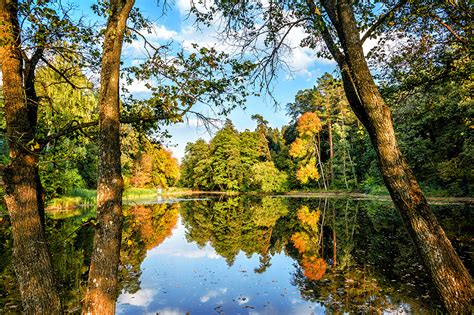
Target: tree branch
[(74, 126), (382, 19), (146, 42), (330, 44), (30, 64), (459, 38), (61, 74), (69, 129)]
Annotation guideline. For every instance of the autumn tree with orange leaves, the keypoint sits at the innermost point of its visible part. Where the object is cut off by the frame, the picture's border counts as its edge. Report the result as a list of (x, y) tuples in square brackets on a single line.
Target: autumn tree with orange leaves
[(307, 149), (307, 242)]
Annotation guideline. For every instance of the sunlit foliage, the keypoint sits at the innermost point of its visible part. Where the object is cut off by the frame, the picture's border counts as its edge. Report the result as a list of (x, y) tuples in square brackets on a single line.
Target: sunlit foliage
[(308, 125), (265, 177), (155, 167), (307, 172)]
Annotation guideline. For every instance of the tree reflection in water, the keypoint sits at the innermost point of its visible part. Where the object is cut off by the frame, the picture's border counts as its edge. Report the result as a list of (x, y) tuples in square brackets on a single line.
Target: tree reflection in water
[(146, 226), (350, 256), (71, 238), (234, 224)]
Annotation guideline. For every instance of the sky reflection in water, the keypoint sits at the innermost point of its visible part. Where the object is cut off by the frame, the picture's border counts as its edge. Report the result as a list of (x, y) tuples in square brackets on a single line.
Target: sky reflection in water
[(251, 255), (180, 277)]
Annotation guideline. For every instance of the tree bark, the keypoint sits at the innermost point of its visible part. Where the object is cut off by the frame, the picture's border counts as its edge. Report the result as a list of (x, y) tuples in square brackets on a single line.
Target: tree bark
[(102, 284), (450, 278), (31, 258)]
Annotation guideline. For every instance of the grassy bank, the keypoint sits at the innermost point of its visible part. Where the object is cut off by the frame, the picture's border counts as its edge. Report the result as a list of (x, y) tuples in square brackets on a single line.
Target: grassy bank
[(85, 197)]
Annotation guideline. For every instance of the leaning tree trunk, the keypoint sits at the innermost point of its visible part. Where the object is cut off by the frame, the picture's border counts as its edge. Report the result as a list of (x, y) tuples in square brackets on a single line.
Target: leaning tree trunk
[(451, 279), (31, 258), (102, 284)]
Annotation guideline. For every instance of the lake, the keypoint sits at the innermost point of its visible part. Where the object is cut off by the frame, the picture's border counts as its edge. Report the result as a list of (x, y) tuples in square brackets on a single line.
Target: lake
[(251, 255)]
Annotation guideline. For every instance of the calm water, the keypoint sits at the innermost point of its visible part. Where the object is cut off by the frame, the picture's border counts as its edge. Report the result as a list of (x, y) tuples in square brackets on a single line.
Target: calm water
[(240, 255)]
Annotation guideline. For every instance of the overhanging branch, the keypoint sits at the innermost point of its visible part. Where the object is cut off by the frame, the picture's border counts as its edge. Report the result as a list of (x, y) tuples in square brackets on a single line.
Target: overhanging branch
[(382, 19)]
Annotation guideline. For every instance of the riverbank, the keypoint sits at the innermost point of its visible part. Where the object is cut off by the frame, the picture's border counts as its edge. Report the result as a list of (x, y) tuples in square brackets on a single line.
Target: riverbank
[(86, 198), (334, 194)]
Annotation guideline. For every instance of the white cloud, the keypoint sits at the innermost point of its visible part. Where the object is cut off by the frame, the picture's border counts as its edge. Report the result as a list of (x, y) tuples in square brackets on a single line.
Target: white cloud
[(139, 87), (142, 298), (157, 34), (160, 32), (369, 44), (204, 37), (185, 5), (212, 294), (186, 251), (168, 311), (391, 46)]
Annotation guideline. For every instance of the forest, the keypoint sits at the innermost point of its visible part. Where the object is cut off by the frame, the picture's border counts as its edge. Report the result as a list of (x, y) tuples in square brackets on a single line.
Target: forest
[(396, 121), (325, 147)]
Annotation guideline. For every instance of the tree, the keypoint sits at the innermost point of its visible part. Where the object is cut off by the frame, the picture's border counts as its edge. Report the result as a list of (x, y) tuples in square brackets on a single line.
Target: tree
[(327, 99), (253, 149), (227, 173), (338, 24), (102, 286), (154, 167), (22, 48), (265, 177), (69, 162), (308, 149), (195, 168)]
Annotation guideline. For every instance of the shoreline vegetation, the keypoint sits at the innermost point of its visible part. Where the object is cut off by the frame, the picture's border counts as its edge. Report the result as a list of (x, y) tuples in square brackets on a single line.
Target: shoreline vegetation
[(86, 197)]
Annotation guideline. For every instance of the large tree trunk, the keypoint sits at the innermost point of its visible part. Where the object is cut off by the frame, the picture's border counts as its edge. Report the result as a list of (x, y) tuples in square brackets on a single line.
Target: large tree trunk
[(102, 284), (31, 259), (451, 279)]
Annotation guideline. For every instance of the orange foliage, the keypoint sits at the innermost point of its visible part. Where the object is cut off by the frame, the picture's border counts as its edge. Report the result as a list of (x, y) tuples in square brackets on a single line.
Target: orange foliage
[(154, 228), (301, 241), (142, 171), (314, 268), (309, 124)]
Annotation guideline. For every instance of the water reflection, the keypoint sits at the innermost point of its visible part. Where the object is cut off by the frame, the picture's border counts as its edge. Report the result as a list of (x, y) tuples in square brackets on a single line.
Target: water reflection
[(146, 226), (234, 224), (251, 255)]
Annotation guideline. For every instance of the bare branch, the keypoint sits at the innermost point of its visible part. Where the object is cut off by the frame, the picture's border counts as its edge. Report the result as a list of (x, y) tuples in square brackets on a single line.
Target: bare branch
[(146, 42)]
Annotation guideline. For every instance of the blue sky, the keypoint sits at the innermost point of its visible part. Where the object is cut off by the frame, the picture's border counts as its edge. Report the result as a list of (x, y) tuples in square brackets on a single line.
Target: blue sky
[(174, 25)]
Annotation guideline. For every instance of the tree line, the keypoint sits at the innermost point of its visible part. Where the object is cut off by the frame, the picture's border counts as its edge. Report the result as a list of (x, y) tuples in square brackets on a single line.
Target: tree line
[(326, 147)]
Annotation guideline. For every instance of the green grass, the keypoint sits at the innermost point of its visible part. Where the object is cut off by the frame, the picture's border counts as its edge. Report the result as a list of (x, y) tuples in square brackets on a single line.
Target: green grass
[(80, 196), (64, 202), (139, 193)]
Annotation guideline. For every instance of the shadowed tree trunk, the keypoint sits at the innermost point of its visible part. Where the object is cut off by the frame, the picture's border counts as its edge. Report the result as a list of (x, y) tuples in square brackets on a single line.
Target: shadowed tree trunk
[(31, 259), (450, 277), (102, 284)]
